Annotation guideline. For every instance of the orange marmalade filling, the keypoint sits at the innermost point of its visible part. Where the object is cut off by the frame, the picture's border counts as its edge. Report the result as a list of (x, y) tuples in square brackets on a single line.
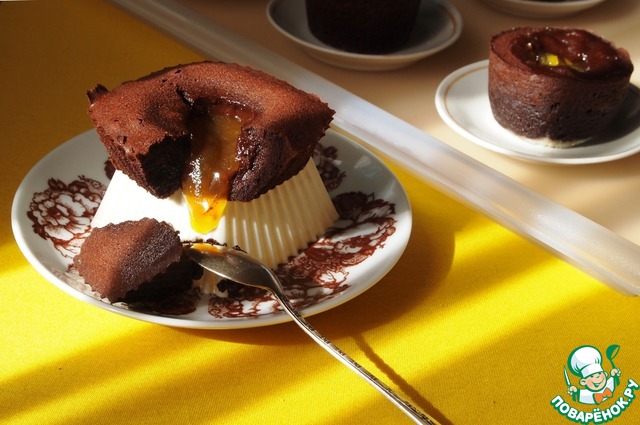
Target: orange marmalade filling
[(546, 58), (550, 59), (578, 51), (212, 164)]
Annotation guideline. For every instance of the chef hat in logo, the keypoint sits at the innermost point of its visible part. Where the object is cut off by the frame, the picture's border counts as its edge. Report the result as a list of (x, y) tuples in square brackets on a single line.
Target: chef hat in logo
[(585, 361)]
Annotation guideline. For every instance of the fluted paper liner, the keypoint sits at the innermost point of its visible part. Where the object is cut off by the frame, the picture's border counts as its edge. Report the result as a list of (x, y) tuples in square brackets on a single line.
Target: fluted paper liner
[(271, 228)]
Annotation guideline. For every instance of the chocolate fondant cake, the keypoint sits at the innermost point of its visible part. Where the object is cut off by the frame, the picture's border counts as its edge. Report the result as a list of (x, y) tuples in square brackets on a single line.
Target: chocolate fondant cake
[(148, 125), (363, 26), (562, 84), (202, 151), (124, 257)]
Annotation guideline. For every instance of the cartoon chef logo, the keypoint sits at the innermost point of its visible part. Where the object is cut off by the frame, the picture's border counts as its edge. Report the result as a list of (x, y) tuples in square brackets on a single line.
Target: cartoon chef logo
[(595, 385), (601, 396)]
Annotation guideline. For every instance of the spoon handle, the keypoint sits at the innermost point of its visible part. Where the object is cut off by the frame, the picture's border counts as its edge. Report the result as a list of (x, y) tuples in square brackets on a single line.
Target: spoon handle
[(404, 405)]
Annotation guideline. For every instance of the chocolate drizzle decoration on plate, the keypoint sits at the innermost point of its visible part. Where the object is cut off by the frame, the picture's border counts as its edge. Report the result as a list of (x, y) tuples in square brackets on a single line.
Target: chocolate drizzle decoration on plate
[(62, 213)]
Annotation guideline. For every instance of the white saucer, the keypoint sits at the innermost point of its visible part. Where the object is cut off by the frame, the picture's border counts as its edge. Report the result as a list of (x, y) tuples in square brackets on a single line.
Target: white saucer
[(439, 25), (356, 253), (463, 103), (542, 9)]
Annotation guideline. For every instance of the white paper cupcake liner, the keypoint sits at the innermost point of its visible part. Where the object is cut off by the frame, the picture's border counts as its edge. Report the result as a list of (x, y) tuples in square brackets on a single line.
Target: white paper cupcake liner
[(271, 228)]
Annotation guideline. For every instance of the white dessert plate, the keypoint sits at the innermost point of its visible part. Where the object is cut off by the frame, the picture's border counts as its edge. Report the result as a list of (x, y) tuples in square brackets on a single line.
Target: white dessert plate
[(542, 9), (55, 202), (462, 101), (438, 26)]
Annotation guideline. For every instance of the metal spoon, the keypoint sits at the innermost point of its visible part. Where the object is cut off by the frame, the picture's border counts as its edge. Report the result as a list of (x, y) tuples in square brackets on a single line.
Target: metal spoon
[(241, 268)]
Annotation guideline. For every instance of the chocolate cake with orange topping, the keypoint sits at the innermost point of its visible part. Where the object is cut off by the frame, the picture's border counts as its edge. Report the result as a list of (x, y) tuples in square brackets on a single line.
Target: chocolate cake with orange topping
[(148, 125), (562, 85), (219, 152)]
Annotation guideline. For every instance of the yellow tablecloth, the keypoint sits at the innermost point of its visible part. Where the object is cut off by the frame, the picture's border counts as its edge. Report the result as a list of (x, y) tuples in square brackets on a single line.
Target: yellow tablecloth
[(474, 325)]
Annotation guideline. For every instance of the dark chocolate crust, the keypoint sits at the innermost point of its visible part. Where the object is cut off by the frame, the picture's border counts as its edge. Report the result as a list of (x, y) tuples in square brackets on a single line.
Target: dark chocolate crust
[(560, 103), (119, 258), (144, 125)]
